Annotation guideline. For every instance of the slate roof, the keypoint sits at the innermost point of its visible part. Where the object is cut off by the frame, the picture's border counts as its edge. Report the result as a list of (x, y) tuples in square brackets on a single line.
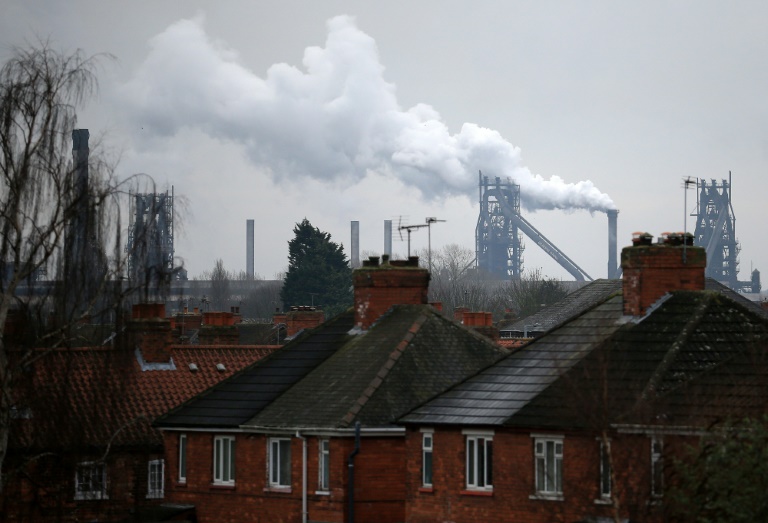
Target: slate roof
[(408, 356), (696, 358), (89, 396), (572, 304), (236, 400), (597, 291)]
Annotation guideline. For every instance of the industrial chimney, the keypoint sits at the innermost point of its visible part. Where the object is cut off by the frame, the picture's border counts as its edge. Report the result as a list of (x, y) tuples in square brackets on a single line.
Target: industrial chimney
[(249, 268), (354, 253), (613, 265), (388, 237)]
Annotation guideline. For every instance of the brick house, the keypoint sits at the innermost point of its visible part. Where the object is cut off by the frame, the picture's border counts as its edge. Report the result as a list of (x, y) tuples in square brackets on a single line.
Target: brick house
[(581, 425), (308, 433), (81, 443)]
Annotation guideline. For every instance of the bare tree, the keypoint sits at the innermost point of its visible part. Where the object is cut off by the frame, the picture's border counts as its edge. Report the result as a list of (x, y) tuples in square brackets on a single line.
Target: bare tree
[(61, 252)]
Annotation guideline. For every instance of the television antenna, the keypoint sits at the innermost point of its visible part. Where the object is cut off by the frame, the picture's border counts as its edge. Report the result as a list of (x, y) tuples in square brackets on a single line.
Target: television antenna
[(430, 221), (410, 228), (687, 182)]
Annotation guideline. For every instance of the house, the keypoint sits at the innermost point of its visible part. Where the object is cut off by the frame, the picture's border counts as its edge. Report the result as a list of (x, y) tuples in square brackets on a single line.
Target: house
[(582, 424), (81, 445), (309, 433)]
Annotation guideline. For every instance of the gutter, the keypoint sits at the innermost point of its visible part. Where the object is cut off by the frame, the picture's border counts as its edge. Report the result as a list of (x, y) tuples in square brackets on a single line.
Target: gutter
[(351, 465), (304, 512)]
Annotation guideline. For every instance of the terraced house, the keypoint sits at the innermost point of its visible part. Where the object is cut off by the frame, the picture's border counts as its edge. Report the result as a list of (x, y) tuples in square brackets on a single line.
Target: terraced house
[(586, 422), (310, 432)]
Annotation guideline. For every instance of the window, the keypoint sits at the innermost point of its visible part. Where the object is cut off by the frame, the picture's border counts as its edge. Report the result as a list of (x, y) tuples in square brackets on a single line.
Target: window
[(182, 458), (91, 481), (324, 460), (549, 465), (224, 460), (279, 462), (155, 478), (605, 469), (426, 459), (480, 462), (657, 466)]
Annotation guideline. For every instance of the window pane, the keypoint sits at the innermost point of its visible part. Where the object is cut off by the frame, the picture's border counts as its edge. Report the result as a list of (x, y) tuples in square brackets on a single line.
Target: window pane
[(217, 459), (285, 462), (231, 476), (540, 474), (428, 468), (274, 450), (225, 460), (489, 462), (470, 462), (550, 466), (480, 462), (182, 456)]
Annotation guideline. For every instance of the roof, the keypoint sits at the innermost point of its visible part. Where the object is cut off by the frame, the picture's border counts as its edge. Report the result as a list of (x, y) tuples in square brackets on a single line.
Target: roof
[(408, 356), (696, 357), (236, 400), (91, 396), (597, 291), (572, 304)]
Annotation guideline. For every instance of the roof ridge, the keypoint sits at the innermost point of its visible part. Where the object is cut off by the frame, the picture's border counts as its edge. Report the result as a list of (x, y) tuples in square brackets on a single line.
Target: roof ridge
[(384, 370), (652, 386)]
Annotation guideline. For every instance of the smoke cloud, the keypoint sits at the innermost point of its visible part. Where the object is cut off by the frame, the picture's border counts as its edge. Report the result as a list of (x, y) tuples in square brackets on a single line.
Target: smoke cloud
[(336, 119)]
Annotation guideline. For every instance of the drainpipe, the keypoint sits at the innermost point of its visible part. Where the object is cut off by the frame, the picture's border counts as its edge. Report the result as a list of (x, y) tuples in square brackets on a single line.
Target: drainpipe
[(304, 514), (351, 465)]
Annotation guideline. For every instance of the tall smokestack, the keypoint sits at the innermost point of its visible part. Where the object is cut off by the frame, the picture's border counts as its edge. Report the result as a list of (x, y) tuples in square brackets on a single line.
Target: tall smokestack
[(613, 266), (388, 237), (249, 269), (355, 245)]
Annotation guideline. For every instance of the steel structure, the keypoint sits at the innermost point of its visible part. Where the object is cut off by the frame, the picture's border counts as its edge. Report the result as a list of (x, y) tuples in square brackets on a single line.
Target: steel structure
[(150, 238), (716, 232), (498, 235)]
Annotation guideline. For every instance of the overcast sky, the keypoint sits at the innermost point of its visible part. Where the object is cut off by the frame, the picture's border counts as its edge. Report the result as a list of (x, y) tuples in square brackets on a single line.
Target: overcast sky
[(341, 111)]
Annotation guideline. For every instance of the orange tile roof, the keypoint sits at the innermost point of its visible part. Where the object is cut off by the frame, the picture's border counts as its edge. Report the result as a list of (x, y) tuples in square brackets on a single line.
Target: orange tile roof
[(89, 396)]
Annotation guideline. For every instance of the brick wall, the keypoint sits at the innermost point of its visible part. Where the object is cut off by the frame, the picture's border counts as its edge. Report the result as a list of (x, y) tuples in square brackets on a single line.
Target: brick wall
[(380, 286), (650, 271), (513, 495), (379, 473)]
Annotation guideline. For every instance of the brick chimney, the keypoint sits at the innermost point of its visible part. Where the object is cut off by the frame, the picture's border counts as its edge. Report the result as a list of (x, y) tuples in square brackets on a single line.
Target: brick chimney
[(219, 329), (481, 322), (652, 270), (150, 331), (379, 286), (306, 317)]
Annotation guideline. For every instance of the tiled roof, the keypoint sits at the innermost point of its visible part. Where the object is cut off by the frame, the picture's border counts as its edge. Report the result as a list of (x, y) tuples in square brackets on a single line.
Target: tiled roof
[(696, 357), (238, 399), (573, 304), (335, 376), (411, 354), (89, 396)]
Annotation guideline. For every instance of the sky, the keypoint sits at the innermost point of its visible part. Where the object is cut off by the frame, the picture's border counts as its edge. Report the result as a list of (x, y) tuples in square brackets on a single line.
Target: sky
[(337, 111)]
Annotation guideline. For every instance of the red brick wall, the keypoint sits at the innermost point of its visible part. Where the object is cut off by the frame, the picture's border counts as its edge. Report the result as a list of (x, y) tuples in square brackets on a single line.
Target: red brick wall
[(650, 271), (377, 288), (514, 483), (379, 474), (45, 490)]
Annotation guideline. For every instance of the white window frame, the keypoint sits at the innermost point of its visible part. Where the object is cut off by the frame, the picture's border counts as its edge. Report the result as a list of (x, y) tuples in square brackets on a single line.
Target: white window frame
[(657, 466), (427, 455), (548, 465), (606, 474), (182, 458), (324, 464), (277, 475), (224, 460), (85, 472), (478, 460), (155, 472)]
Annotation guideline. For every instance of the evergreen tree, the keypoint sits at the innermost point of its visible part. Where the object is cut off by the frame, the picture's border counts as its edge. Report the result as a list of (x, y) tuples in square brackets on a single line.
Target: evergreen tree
[(318, 272)]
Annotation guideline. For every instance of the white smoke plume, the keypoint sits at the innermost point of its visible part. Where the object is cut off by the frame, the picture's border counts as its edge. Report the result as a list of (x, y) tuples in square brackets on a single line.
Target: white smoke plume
[(335, 119)]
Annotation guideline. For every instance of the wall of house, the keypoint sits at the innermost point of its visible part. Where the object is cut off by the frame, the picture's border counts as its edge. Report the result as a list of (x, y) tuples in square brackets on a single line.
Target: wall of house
[(514, 494), (379, 473), (45, 491)]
